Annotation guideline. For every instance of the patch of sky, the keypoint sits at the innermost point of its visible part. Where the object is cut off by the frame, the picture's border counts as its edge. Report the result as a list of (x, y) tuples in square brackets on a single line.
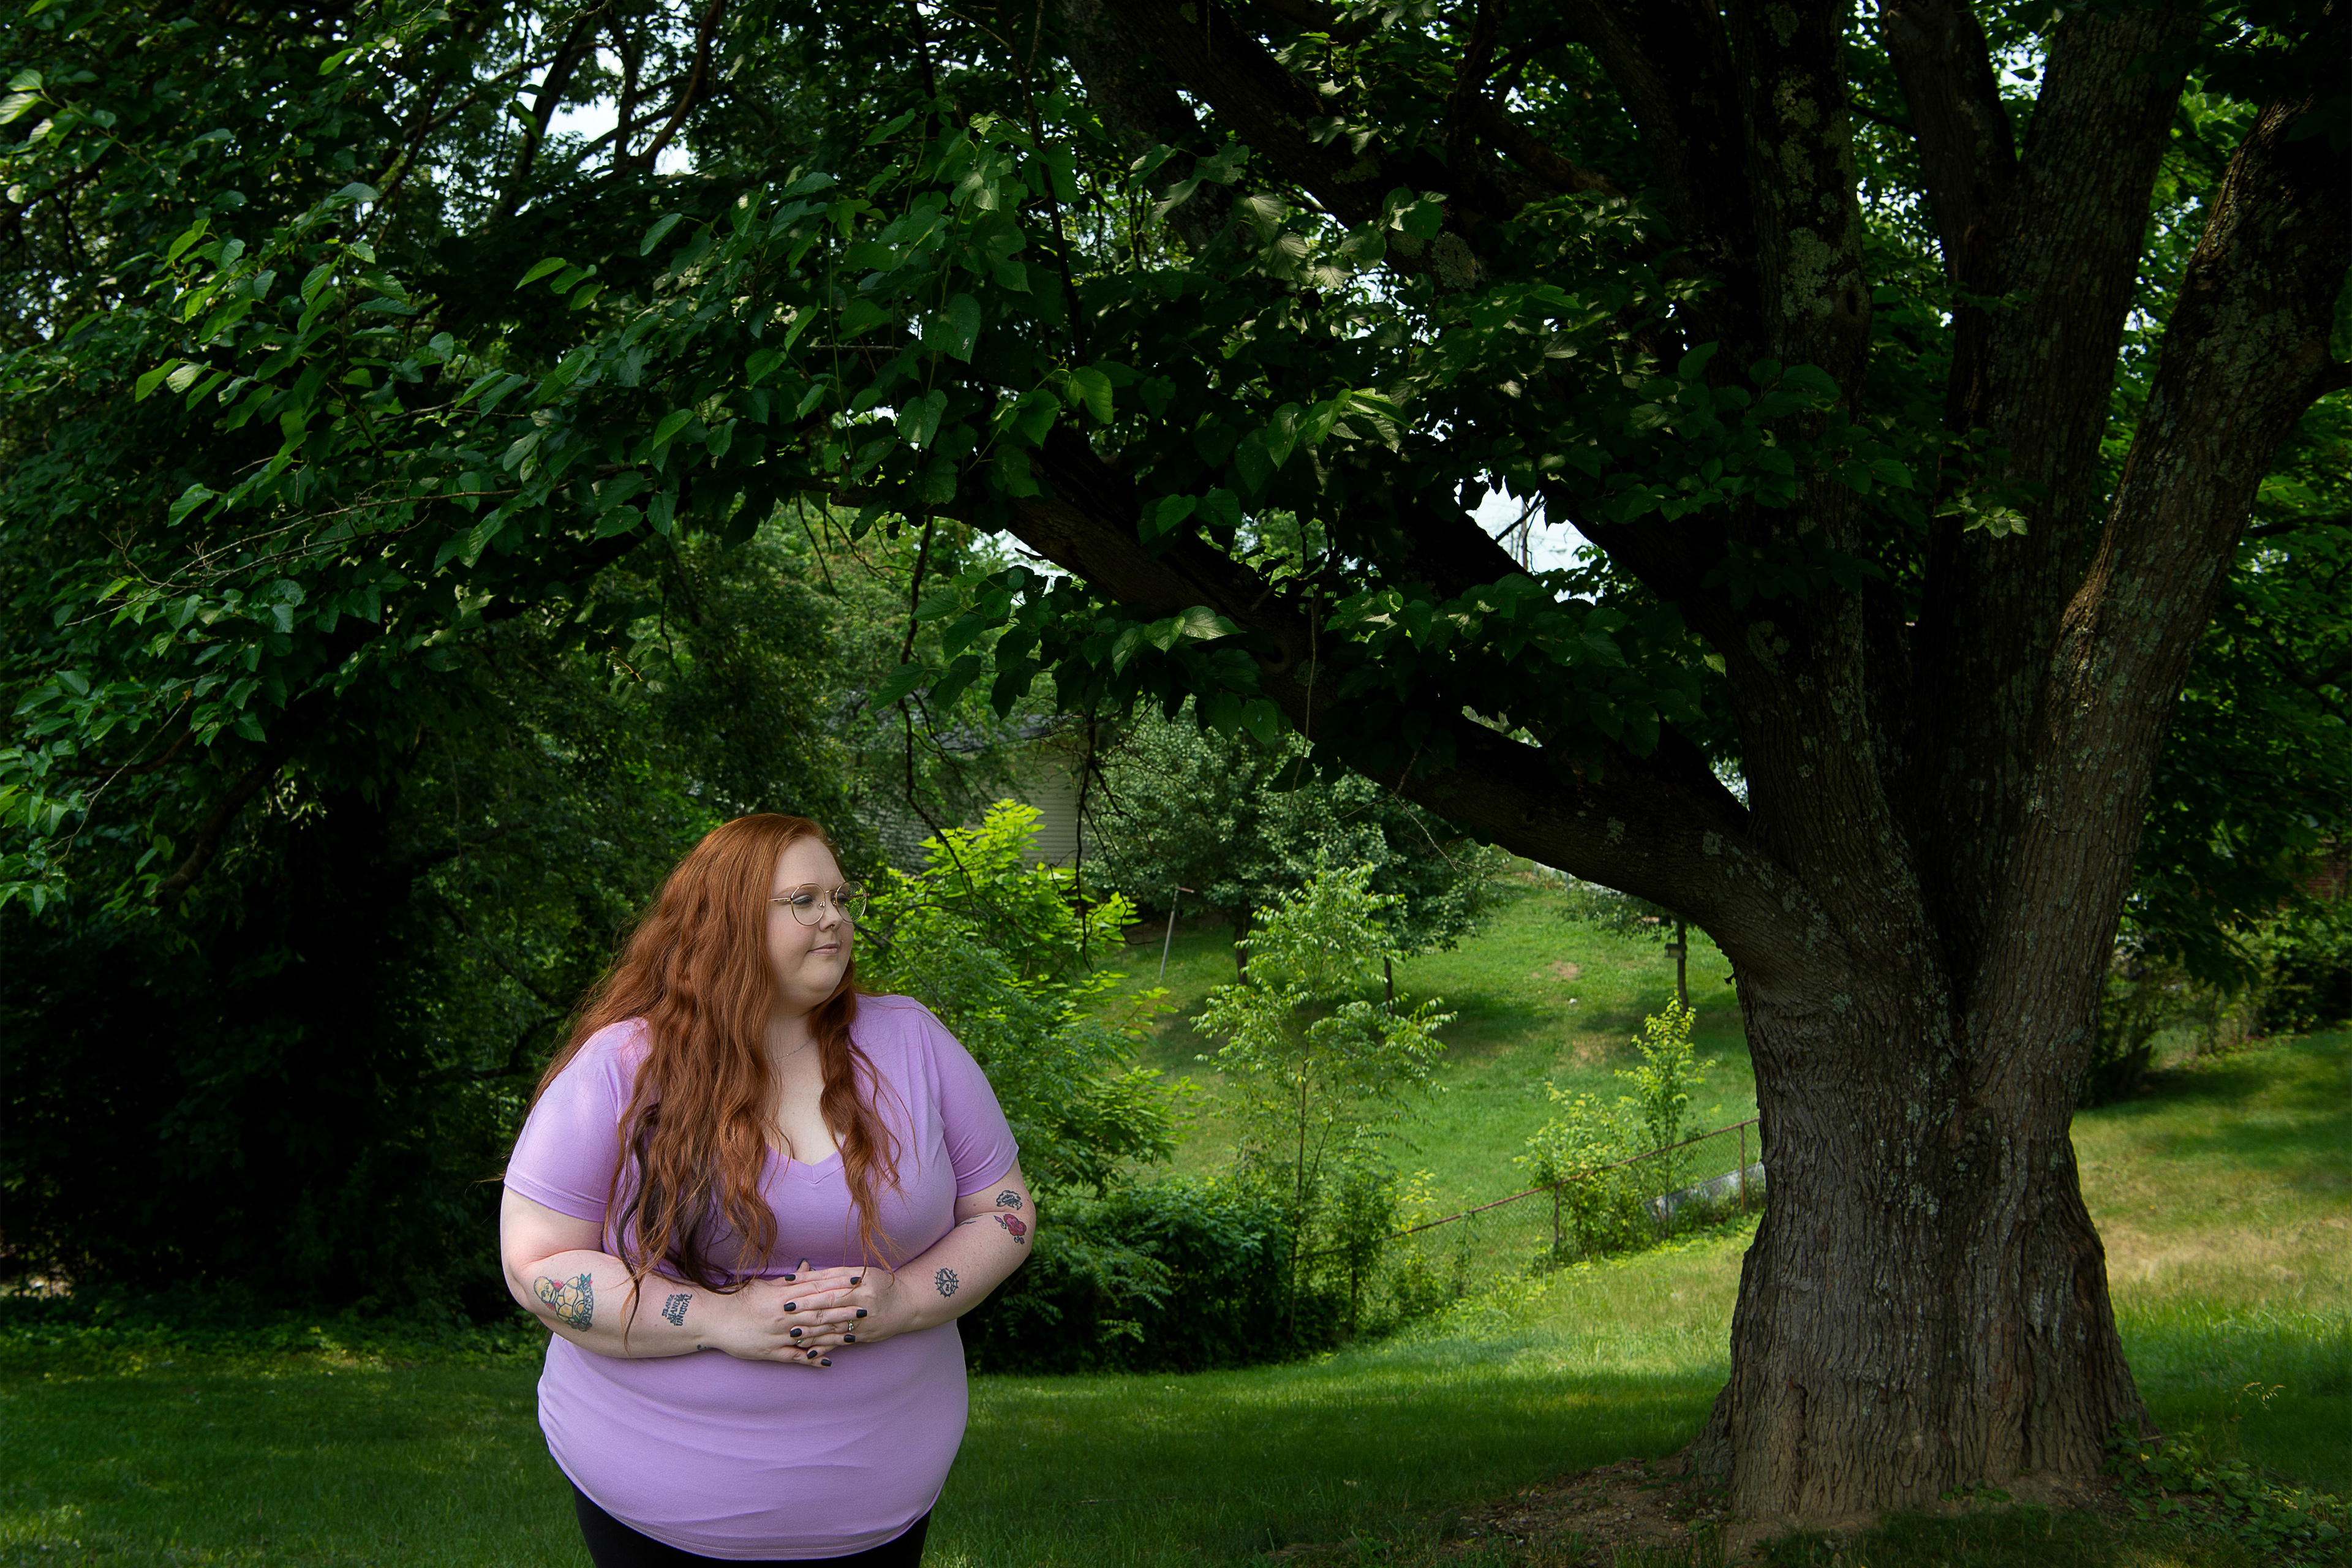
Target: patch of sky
[(1521, 528), (598, 117)]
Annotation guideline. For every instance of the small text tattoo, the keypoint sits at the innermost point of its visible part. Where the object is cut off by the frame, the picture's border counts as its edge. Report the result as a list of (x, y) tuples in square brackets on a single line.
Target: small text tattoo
[(675, 1308), (1008, 1199), (946, 1281), (573, 1301), (1014, 1227)]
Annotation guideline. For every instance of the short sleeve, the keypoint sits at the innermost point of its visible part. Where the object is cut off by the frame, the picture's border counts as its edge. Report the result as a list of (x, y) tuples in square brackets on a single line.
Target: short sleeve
[(571, 1141), (980, 1141)]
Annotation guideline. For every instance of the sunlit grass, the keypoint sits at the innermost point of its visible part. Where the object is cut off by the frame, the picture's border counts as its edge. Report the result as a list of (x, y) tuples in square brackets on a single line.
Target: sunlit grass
[(2224, 1192), (2224, 1198)]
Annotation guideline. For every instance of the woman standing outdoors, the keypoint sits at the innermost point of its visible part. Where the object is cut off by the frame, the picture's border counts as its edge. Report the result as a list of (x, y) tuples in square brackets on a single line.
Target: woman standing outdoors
[(737, 1152)]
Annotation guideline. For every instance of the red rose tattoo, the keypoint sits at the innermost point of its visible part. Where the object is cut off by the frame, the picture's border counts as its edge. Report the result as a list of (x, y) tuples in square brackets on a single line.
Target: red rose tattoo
[(1018, 1231)]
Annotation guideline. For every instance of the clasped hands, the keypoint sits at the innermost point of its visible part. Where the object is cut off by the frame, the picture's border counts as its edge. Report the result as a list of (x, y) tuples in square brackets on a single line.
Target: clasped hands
[(805, 1316)]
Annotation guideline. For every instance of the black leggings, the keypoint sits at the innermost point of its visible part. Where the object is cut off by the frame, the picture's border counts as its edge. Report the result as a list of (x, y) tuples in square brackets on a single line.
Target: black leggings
[(614, 1545)]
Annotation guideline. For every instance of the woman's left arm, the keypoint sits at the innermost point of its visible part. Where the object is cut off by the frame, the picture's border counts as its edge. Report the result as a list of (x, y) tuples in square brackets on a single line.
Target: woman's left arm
[(993, 1230)]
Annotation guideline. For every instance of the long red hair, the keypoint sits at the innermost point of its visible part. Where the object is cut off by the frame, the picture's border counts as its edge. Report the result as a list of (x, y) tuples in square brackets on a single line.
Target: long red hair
[(696, 970)]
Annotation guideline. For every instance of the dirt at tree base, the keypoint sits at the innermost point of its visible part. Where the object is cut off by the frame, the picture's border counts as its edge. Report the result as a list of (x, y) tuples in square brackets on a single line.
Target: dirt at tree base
[(1595, 1518)]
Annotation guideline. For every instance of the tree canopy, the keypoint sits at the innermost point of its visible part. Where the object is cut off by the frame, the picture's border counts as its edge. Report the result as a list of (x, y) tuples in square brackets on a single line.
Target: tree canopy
[(1917, 375)]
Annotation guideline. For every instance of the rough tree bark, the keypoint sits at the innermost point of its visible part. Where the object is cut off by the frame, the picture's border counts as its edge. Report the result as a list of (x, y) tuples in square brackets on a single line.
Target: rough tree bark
[(1921, 891)]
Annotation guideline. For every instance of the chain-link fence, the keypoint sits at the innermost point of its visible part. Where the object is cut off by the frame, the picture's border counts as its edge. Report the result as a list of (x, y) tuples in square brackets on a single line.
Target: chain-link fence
[(1614, 1207)]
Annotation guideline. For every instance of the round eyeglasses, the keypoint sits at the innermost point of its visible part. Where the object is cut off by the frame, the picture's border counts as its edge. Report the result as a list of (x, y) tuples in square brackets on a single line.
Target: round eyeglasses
[(808, 904)]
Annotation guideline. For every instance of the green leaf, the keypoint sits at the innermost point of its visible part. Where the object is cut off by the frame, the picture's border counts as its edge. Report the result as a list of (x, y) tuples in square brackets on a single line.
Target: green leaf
[(884, 133), (1694, 363), (1201, 621), (1169, 515), (938, 484), (1220, 510), (1252, 464), (184, 378), (552, 264), (190, 499), (1282, 434), (919, 420), (1062, 170), (860, 315), (1263, 720), (1093, 389), (951, 685), (188, 237), (676, 420), (1130, 643), (895, 686), (662, 225), (144, 388), (16, 104), (960, 321)]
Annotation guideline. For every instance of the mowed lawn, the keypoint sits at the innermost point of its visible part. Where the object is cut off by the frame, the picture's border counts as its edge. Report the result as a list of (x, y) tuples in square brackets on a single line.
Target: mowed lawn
[(2225, 1196), (1536, 997)]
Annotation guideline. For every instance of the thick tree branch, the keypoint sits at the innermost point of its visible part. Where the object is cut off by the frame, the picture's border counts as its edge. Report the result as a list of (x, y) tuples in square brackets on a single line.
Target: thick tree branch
[(2251, 327), (692, 91), (2064, 245), (1670, 60), (1967, 149), (1141, 110), (1538, 156), (575, 47), (1658, 826), (1259, 100), (205, 842)]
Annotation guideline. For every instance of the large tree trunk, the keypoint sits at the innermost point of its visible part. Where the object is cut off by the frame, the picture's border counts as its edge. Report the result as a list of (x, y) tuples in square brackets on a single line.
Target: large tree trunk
[(1920, 892), (1924, 1305)]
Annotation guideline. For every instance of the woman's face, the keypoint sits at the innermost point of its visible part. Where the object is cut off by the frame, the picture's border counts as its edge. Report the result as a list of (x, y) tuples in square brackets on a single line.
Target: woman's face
[(807, 960)]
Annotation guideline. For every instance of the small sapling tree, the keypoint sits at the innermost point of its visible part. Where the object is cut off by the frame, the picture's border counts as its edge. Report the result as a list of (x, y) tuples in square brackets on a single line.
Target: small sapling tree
[(1320, 1070), (1579, 1151)]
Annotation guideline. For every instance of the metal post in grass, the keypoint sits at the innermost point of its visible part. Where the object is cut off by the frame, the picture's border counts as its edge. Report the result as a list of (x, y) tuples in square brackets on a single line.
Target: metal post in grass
[(1555, 1224), (1743, 1167), (1169, 939), (1680, 948)]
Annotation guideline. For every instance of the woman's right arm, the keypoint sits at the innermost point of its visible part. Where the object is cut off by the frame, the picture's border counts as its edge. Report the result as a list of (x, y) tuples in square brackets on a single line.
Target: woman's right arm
[(556, 1272)]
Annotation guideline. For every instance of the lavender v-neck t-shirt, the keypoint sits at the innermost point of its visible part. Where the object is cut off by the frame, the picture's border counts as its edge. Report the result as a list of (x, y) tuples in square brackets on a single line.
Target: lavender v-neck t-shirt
[(744, 1461)]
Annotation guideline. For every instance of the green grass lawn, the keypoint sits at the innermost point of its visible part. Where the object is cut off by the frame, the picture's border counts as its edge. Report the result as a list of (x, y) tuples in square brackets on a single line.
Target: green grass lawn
[(2225, 1196), (1536, 996)]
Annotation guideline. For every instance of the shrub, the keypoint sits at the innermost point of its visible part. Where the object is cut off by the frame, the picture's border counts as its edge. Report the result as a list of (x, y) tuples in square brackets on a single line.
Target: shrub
[(2306, 959), (1184, 1274), (1579, 1149)]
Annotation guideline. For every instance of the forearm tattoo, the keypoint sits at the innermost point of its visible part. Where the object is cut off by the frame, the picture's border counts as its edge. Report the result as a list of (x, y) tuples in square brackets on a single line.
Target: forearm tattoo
[(675, 1308), (1008, 1199), (1014, 1227), (946, 1281), (573, 1301)]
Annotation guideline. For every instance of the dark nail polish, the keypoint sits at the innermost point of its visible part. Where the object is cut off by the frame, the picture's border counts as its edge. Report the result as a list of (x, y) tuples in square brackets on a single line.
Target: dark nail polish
[(858, 1279), (849, 1339), (826, 1363), (861, 1311), (790, 1277), (792, 1306), (796, 1333)]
